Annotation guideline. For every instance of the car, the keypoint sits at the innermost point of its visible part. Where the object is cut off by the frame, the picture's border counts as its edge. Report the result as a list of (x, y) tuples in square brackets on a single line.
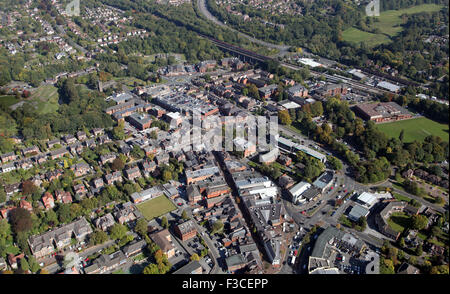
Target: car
[(180, 204)]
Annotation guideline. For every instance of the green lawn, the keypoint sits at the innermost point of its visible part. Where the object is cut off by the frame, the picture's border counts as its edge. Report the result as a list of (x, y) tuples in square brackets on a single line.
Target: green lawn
[(354, 35), (155, 207), (389, 24), (398, 221), (8, 100), (45, 99), (415, 129), (390, 20), (401, 197)]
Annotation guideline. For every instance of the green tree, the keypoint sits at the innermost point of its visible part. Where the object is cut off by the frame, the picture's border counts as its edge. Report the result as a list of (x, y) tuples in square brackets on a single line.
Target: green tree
[(151, 269), (118, 231), (141, 227), (217, 227), (117, 164), (419, 222), (98, 237), (284, 117), (24, 266), (34, 266), (118, 131), (164, 222), (195, 257), (184, 215)]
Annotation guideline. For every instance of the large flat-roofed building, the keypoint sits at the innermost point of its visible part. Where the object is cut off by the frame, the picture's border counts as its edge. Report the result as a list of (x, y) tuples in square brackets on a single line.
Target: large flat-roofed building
[(151, 193), (357, 212), (140, 121), (367, 199), (289, 146), (324, 181), (298, 190), (186, 105), (382, 112)]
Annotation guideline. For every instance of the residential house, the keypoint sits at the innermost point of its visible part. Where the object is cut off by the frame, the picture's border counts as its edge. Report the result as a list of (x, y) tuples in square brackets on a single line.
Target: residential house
[(26, 205), (48, 200), (164, 240), (133, 173), (33, 150), (8, 157), (113, 177), (63, 196), (80, 169), (134, 248), (104, 222), (126, 212), (106, 263), (44, 244)]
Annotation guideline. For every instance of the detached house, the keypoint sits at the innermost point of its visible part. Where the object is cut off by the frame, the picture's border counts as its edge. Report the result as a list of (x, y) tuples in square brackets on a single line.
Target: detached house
[(48, 200)]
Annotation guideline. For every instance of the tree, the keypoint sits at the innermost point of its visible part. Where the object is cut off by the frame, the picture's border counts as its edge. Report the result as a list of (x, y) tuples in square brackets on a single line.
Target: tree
[(141, 227), (335, 163), (402, 135), (419, 222), (184, 215), (195, 257), (20, 220), (362, 222), (419, 250), (284, 117), (164, 222), (63, 212), (2, 196), (118, 131), (24, 266), (98, 237), (118, 231), (117, 164), (28, 188), (34, 266), (151, 269), (217, 227)]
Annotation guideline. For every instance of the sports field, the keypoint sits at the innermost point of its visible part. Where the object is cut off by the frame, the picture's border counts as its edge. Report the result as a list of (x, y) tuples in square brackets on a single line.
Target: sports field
[(415, 129), (389, 23), (155, 207)]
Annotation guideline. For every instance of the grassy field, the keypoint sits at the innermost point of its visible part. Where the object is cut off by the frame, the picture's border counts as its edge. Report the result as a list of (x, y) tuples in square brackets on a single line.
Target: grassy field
[(354, 35), (398, 221), (8, 100), (389, 23), (415, 129), (45, 99), (390, 20), (401, 197), (156, 207)]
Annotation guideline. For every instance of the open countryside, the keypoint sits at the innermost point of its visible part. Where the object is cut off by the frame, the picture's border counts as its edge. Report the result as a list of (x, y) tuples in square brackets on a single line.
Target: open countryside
[(415, 129), (389, 23)]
